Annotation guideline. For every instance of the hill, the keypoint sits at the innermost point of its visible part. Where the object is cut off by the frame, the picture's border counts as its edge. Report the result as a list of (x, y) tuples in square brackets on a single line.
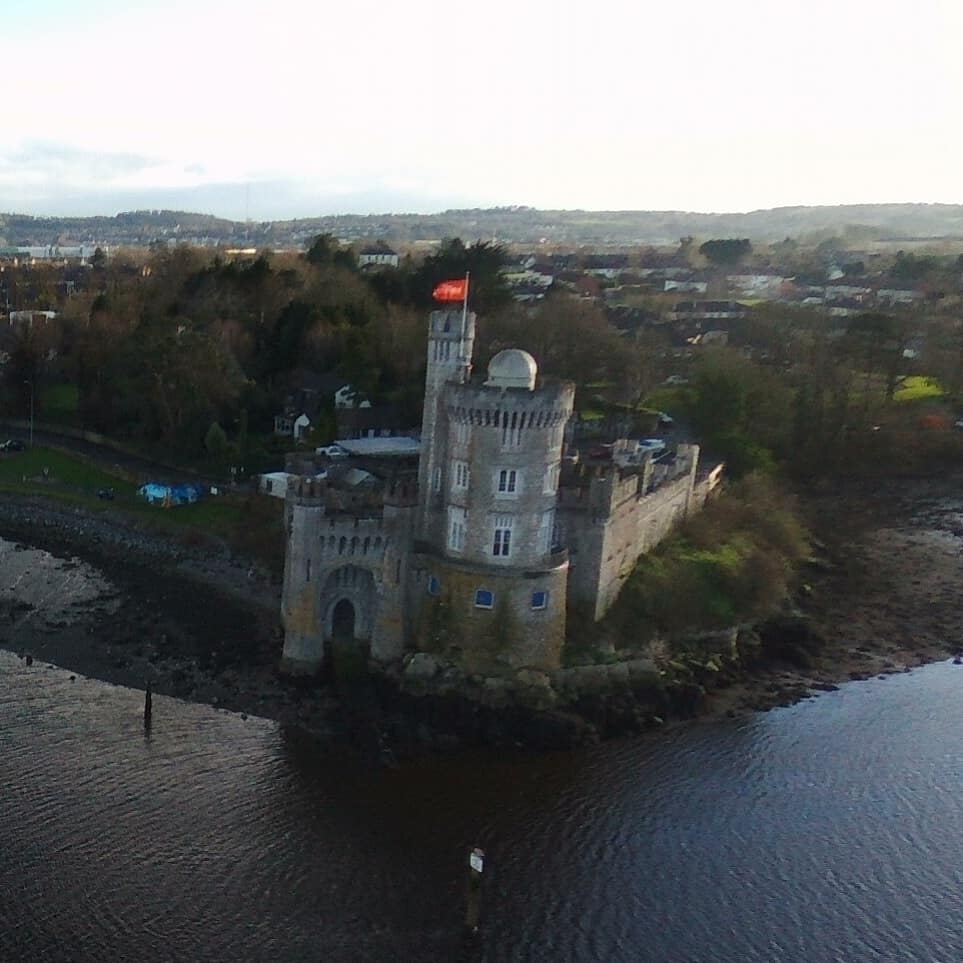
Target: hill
[(858, 223)]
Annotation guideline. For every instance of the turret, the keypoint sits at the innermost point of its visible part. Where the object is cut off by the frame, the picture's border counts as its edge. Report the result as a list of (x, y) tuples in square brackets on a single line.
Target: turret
[(451, 338)]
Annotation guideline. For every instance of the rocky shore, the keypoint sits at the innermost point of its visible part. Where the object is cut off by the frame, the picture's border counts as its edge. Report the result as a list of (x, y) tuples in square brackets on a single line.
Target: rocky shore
[(193, 621)]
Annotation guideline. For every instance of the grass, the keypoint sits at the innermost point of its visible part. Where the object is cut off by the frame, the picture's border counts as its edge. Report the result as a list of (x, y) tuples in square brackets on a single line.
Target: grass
[(59, 403), (733, 562), (249, 523), (918, 388)]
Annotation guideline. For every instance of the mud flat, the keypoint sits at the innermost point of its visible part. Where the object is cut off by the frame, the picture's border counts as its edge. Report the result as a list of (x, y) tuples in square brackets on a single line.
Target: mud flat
[(131, 607)]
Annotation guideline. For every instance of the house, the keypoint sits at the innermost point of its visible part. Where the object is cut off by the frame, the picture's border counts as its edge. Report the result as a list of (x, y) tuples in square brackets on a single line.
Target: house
[(608, 266), (377, 256), (289, 425), (347, 397)]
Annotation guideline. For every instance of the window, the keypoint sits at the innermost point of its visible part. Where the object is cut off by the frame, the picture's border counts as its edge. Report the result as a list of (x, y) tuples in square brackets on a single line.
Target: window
[(461, 475), (456, 528), (502, 526), (507, 482), (551, 479), (461, 432), (436, 479), (434, 585), (511, 429), (502, 536), (307, 574), (484, 599), (546, 527), (539, 600)]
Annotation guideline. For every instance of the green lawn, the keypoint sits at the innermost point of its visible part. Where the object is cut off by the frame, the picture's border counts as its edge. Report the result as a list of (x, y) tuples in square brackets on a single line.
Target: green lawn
[(58, 404), (917, 387), (249, 522)]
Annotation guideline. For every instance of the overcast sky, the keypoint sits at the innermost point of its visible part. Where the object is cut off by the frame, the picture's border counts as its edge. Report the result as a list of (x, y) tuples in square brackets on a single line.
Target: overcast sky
[(304, 107)]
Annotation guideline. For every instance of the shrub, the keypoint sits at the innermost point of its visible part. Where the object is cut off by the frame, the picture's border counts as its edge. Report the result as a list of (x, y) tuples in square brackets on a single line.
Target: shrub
[(733, 562)]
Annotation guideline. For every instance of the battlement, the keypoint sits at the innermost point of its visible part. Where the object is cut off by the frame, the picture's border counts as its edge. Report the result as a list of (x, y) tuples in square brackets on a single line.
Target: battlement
[(307, 491), (359, 536)]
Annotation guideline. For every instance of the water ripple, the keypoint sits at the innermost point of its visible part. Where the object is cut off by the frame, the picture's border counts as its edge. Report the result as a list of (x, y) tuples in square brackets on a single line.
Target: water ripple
[(822, 832)]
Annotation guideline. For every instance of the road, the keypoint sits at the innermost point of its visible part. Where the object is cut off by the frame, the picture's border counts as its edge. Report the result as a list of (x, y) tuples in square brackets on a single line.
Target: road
[(144, 469)]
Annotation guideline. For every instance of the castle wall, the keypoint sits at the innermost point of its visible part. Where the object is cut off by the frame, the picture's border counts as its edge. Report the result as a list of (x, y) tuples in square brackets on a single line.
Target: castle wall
[(523, 627), (613, 522)]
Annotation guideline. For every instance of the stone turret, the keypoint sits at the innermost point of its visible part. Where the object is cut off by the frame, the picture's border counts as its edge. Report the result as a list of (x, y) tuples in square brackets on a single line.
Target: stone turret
[(451, 339), (301, 614)]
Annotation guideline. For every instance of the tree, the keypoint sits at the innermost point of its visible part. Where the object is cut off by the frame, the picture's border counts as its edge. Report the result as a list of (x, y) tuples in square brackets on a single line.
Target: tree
[(726, 251), (215, 441), (876, 342), (740, 410), (326, 251), (488, 290)]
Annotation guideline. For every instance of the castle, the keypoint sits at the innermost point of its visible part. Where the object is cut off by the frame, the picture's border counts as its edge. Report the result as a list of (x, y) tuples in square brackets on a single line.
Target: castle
[(481, 541)]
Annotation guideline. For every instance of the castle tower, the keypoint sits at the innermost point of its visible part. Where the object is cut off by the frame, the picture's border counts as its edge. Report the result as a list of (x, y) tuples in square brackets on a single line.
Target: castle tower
[(451, 338), (492, 556), (301, 613)]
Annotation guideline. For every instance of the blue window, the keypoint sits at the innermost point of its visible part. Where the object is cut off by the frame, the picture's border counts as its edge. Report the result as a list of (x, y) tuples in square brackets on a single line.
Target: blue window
[(484, 599), (434, 586), (539, 600)]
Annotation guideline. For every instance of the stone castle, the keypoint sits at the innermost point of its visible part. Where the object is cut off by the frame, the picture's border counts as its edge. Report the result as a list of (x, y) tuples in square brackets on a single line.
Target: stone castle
[(479, 543)]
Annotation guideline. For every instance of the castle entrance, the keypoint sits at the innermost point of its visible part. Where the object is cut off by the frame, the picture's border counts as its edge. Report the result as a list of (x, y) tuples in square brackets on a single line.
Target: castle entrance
[(342, 622), (348, 600)]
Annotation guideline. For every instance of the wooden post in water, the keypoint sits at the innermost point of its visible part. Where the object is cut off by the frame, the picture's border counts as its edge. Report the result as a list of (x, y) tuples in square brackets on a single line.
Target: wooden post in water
[(476, 864), (147, 705)]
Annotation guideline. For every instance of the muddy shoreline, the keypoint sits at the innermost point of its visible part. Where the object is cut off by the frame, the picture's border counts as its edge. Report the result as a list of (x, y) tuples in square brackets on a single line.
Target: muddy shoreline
[(197, 623), (187, 618)]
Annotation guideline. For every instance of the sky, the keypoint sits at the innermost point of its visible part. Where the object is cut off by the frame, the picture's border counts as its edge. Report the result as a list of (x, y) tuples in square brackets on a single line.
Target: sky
[(300, 108)]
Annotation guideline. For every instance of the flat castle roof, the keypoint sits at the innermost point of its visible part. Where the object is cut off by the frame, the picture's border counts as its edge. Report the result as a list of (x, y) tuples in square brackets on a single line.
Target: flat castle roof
[(392, 447)]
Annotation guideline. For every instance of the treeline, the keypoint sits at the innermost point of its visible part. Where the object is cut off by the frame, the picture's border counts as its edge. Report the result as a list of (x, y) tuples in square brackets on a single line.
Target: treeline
[(160, 350)]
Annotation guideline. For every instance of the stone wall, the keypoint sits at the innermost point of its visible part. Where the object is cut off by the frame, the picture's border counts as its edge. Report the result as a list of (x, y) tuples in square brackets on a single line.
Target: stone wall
[(615, 523), (509, 634)]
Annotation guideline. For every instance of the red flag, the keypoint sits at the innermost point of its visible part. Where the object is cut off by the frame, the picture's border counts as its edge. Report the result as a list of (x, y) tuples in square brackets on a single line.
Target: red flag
[(451, 290)]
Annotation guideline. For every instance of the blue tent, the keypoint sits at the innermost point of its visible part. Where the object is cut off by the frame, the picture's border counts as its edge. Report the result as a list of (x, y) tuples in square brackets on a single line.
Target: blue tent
[(168, 495)]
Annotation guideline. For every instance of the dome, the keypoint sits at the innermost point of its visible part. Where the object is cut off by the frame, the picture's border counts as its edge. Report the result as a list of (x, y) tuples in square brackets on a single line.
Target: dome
[(512, 368)]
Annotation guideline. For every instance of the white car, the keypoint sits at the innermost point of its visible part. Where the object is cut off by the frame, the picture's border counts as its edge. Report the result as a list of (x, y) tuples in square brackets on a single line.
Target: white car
[(655, 446), (332, 451)]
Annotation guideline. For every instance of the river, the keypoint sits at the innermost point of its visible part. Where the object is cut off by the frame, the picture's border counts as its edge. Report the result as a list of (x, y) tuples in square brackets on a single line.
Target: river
[(828, 831)]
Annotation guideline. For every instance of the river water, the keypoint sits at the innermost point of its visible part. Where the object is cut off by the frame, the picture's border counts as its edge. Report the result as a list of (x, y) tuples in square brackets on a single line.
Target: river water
[(829, 831)]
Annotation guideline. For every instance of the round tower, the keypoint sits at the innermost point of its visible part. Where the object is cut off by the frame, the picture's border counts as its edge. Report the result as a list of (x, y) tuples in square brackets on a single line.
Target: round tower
[(301, 615), (495, 567)]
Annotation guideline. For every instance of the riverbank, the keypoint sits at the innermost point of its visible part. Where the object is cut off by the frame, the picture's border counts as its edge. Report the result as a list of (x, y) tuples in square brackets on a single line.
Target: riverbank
[(194, 621), (182, 614), (882, 594)]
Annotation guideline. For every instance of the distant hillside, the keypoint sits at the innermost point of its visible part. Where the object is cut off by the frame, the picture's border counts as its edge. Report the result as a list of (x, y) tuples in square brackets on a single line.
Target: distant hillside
[(858, 223)]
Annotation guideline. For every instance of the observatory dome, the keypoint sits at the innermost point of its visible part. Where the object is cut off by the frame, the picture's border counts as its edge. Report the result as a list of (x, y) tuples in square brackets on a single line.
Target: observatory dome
[(512, 368)]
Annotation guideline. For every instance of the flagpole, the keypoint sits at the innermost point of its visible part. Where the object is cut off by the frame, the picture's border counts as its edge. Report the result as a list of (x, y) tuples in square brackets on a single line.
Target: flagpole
[(464, 306)]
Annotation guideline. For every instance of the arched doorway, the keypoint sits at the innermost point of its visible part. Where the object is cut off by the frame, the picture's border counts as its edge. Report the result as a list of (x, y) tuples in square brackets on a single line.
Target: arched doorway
[(342, 621)]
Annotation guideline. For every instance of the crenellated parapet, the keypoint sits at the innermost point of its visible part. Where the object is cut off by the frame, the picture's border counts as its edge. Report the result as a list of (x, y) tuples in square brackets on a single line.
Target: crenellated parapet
[(307, 492), (340, 537)]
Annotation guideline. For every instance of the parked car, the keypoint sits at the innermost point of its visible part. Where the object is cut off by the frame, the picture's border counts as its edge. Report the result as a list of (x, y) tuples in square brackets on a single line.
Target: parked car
[(332, 451), (656, 446), (13, 444), (676, 380), (106, 494)]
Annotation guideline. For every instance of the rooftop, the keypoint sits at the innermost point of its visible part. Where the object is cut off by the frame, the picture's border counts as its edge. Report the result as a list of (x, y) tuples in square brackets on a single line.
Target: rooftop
[(393, 447)]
